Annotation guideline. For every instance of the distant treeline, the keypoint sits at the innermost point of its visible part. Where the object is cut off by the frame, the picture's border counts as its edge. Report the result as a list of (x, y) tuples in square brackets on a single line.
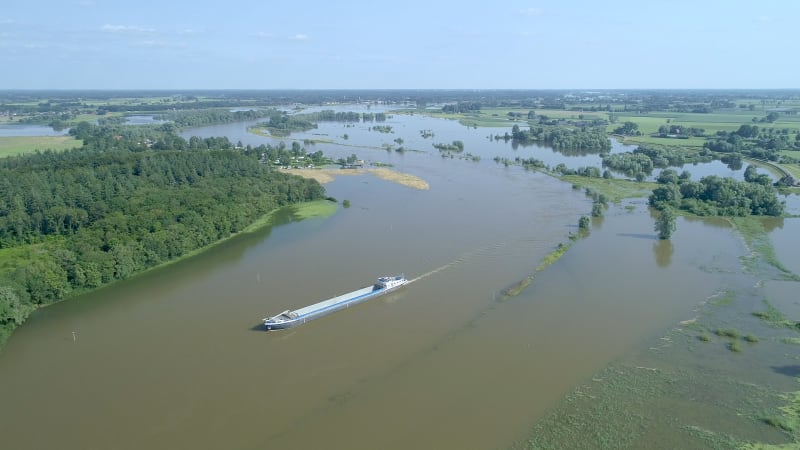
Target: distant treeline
[(129, 199), (343, 116), (462, 107), (645, 158), (618, 100), (204, 117), (750, 140)]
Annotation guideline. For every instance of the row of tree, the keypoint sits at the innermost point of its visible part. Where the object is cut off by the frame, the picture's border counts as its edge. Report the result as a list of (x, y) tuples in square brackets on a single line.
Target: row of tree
[(329, 115), (205, 117)]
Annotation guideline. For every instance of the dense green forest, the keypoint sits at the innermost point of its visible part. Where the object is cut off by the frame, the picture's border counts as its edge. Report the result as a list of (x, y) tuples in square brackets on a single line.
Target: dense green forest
[(129, 199)]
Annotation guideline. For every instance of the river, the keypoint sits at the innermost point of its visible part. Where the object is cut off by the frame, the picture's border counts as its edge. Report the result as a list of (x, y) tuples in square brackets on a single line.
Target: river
[(175, 358)]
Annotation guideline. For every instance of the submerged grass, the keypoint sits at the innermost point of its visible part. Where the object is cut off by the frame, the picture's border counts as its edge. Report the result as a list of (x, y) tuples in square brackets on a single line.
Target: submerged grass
[(757, 241), (614, 189), (517, 288), (729, 333), (634, 407), (319, 208), (775, 318)]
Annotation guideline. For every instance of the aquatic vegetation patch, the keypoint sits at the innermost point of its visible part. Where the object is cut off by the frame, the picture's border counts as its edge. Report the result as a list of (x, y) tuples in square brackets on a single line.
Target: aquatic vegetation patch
[(515, 289), (614, 190), (761, 249), (627, 406), (631, 407), (774, 317), (786, 419), (728, 332), (552, 257), (723, 298)]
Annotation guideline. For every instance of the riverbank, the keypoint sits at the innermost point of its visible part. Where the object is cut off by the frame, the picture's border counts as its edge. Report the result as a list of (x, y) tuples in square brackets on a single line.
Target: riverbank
[(300, 211)]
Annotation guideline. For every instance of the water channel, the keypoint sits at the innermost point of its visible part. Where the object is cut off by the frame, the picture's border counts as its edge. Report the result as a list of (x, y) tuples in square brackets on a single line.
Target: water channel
[(175, 358)]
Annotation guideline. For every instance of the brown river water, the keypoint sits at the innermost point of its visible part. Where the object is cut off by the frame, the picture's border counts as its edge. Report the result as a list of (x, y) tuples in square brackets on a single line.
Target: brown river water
[(176, 358)]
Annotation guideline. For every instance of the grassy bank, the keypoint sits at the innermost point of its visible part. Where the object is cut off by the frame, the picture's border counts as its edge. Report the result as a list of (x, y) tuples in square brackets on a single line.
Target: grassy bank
[(17, 145)]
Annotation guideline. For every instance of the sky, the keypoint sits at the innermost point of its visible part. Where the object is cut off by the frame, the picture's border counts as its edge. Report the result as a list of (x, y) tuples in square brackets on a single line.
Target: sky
[(406, 44)]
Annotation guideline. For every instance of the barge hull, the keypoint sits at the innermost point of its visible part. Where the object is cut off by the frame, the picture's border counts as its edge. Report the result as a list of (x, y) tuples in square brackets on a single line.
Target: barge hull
[(329, 306)]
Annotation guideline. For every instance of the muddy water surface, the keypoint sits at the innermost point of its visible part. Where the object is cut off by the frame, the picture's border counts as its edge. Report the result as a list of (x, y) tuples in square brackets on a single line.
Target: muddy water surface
[(175, 358)]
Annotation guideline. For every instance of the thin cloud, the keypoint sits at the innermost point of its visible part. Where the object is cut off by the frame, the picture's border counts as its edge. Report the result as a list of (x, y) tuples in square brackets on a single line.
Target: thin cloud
[(299, 37), (532, 12), (125, 29), (161, 44), (263, 34)]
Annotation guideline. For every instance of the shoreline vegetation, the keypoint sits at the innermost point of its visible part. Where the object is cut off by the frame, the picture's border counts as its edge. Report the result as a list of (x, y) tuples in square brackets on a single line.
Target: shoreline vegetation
[(126, 201), (300, 211)]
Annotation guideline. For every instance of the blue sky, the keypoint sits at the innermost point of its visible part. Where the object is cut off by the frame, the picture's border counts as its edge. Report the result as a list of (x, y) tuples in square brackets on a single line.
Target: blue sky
[(407, 44)]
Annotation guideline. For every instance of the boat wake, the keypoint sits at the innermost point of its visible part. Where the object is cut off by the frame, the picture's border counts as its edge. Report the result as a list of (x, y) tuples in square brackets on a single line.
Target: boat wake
[(460, 260)]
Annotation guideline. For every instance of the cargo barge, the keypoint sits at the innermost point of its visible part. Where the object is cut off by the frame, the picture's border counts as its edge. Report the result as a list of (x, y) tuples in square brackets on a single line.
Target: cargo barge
[(289, 319)]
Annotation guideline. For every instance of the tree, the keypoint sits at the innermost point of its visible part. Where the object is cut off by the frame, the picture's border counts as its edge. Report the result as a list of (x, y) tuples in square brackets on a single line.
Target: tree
[(584, 222), (628, 129), (665, 224), (667, 176), (666, 195)]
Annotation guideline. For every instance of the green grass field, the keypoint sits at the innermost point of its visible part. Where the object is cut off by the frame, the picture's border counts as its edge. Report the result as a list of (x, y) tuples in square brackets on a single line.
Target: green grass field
[(711, 123), (17, 145)]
